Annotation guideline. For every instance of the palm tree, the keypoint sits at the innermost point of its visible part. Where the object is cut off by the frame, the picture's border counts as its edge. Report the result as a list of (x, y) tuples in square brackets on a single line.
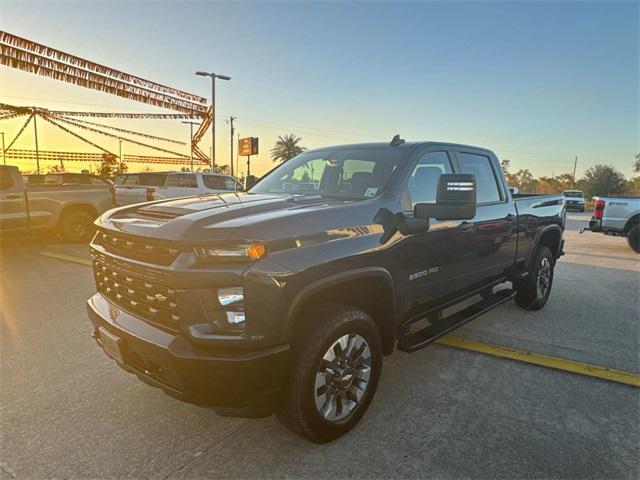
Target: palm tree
[(286, 148)]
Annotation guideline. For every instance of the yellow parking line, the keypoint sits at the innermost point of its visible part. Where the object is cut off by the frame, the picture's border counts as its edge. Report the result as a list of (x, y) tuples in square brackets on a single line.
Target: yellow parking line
[(572, 366), (557, 363), (68, 258)]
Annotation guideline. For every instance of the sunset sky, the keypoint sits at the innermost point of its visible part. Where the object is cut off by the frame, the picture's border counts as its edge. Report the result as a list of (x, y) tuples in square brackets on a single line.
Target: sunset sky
[(538, 83)]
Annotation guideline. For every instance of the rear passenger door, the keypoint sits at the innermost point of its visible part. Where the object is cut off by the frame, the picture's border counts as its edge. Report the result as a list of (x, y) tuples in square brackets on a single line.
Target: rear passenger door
[(495, 223)]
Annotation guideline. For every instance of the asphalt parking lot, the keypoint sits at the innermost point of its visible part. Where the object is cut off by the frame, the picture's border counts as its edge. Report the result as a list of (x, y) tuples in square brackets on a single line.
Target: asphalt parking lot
[(67, 411)]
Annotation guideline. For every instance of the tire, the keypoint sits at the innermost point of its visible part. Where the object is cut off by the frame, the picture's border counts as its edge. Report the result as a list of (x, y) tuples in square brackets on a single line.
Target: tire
[(77, 226), (528, 295), (633, 238), (307, 410)]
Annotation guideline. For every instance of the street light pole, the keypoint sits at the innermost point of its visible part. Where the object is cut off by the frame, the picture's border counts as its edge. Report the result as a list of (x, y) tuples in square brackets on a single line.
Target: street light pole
[(35, 130), (191, 141), (120, 153), (4, 159), (231, 119), (213, 77)]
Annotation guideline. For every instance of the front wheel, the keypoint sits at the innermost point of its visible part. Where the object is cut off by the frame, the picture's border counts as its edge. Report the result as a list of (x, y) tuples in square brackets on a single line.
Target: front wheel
[(77, 226), (533, 292), (335, 368), (633, 238)]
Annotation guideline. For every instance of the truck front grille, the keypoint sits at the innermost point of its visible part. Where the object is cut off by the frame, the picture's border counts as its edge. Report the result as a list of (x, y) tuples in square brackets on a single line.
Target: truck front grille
[(138, 248), (136, 292)]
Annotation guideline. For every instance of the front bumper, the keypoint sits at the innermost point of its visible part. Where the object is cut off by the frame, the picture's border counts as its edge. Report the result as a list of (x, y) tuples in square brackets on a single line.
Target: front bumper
[(237, 383)]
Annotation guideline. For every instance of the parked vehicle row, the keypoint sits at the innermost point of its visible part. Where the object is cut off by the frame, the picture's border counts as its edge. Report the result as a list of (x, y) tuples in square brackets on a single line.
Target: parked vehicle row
[(66, 208), (143, 187), (285, 298)]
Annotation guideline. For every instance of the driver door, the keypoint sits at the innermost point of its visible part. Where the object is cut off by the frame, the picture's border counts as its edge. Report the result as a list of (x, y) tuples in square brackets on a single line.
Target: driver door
[(432, 263)]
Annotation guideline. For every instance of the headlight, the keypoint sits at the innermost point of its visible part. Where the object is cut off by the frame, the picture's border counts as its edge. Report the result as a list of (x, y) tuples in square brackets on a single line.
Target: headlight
[(245, 250)]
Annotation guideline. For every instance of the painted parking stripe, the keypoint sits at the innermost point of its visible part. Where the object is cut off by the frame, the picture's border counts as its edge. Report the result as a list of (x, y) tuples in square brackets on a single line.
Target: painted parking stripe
[(67, 258), (596, 371), (604, 373)]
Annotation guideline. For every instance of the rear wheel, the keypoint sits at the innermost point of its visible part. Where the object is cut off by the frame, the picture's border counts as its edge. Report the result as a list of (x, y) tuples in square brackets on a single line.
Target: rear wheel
[(335, 369), (533, 292), (633, 238), (77, 226)]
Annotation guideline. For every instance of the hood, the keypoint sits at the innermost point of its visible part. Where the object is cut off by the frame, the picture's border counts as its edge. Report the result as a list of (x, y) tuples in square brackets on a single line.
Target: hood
[(217, 217)]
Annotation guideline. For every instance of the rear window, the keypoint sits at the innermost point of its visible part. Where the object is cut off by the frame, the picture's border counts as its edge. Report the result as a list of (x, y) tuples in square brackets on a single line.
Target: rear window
[(574, 194), (218, 182)]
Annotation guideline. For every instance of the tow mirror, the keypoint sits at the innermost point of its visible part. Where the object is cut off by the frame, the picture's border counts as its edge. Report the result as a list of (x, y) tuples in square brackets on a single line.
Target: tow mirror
[(455, 200)]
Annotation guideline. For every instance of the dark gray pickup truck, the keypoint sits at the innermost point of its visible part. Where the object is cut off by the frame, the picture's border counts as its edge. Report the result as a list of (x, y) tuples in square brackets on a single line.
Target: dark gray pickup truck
[(286, 298), (68, 209)]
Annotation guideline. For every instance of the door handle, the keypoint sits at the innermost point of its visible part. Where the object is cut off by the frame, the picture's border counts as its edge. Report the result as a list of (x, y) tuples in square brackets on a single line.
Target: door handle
[(510, 217), (13, 196)]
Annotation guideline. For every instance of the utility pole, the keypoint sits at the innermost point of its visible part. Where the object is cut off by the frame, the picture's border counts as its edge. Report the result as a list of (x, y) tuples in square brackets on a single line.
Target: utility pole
[(573, 177), (35, 130), (231, 119), (120, 154), (4, 159)]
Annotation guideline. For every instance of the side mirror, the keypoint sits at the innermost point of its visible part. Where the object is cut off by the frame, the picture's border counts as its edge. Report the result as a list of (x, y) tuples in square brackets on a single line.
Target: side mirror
[(250, 181), (456, 199)]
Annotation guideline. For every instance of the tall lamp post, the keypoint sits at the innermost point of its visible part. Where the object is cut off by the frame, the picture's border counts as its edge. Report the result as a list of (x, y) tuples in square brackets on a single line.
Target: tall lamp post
[(213, 77), (191, 141), (4, 159), (120, 153)]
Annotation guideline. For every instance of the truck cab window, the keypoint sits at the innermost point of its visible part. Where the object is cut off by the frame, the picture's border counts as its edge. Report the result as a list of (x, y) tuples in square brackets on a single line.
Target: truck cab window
[(486, 181), (6, 181), (218, 182), (423, 183), (185, 180)]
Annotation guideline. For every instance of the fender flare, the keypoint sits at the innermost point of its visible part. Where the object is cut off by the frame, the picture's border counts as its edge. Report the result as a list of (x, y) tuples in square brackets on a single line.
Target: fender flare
[(539, 234), (336, 279)]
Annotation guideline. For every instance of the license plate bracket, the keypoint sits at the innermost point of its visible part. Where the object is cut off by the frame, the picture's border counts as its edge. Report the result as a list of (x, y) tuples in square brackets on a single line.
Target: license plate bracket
[(111, 344)]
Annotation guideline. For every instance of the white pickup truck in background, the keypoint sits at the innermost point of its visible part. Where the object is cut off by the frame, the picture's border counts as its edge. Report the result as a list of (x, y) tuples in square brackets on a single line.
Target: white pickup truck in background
[(61, 203), (618, 216), (574, 200), (148, 186)]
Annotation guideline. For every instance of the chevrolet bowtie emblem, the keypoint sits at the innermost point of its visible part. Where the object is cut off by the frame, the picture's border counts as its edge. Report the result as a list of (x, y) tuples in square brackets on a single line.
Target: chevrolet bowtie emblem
[(159, 297)]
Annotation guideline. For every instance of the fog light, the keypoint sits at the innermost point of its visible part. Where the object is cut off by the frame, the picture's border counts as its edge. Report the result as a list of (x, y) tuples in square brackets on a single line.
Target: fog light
[(235, 318), (230, 296)]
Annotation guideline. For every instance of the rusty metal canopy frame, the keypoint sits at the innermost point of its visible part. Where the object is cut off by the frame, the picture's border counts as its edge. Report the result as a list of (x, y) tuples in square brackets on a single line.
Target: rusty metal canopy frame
[(28, 56), (32, 57), (63, 120)]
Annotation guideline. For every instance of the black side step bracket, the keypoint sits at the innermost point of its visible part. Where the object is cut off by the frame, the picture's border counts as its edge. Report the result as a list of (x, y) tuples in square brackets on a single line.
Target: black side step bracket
[(441, 327)]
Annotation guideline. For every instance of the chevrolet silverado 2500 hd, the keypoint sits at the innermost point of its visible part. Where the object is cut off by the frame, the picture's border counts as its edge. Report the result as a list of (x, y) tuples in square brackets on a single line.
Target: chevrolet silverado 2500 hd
[(286, 299)]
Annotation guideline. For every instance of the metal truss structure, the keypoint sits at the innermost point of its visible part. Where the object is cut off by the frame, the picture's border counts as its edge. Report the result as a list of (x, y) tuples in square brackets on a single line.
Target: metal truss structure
[(28, 56)]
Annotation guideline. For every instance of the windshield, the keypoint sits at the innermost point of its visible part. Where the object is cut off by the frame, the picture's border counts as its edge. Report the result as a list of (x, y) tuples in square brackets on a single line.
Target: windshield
[(573, 194), (355, 173)]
